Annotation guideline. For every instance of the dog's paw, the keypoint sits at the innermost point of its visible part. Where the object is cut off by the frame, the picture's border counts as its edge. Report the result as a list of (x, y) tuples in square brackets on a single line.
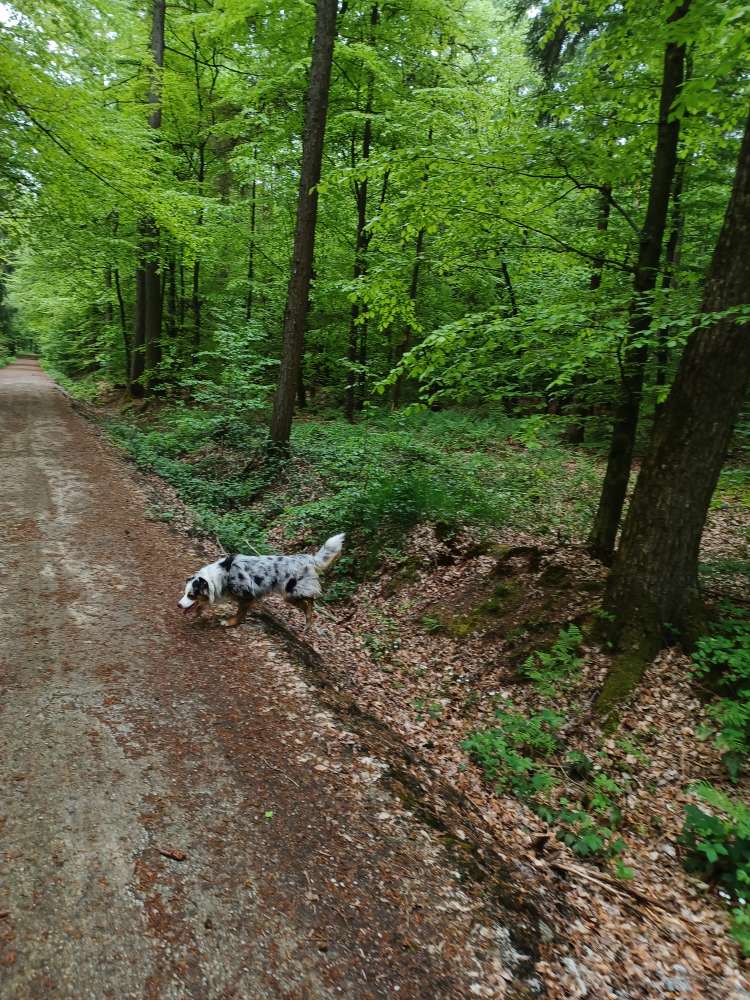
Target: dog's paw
[(229, 622)]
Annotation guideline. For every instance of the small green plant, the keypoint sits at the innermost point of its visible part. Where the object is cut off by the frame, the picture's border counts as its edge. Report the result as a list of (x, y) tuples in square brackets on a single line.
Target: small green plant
[(558, 666), (718, 849), (723, 659), (515, 755)]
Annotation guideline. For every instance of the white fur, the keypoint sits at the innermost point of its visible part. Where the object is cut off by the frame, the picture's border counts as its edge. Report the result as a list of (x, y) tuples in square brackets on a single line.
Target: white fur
[(329, 550)]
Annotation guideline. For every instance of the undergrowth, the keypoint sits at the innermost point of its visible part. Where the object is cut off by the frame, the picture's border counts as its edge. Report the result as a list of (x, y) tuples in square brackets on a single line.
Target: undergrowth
[(722, 661), (717, 840), (375, 480), (717, 847), (526, 755)]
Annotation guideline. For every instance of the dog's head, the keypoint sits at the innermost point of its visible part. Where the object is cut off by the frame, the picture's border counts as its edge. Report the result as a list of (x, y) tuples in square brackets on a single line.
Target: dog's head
[(196, 593)]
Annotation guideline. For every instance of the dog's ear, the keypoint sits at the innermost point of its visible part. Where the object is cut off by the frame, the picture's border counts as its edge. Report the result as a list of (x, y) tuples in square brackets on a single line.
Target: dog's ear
[(226, 563), (201, 585)]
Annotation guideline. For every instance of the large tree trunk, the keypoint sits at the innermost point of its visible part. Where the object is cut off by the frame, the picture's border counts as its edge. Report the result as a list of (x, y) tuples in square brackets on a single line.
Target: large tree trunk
[(147, 334), (633, 359), (652, 590), (307, 211)]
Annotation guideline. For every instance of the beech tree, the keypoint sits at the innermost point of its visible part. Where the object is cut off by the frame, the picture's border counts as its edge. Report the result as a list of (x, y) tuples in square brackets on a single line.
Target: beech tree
[(146, 349), (307, 212), (653, 590), (634, 354)]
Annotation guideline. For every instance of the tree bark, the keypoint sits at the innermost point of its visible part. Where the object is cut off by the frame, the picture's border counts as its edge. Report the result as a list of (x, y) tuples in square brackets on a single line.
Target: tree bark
[(633, 359), (172, 300), (147, 334), (652, 592), (123, 325), (307, 210), (671, 258), (406, 340), (357, 328), (251, 251)]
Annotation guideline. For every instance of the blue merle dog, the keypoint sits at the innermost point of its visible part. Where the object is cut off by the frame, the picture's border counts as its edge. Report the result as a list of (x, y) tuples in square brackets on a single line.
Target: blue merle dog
[(246, 579)]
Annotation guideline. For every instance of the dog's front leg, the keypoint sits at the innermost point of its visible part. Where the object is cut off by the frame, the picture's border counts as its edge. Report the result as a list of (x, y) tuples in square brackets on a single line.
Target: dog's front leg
[(238, 619)]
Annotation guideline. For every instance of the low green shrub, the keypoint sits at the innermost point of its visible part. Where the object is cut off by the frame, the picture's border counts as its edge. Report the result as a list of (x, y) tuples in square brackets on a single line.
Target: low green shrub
[(559, 666), (717, 847), (723, 659), (515, 756)]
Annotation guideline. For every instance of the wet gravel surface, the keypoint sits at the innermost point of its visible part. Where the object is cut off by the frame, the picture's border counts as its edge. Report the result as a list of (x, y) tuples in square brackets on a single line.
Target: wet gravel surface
[(179, 817)]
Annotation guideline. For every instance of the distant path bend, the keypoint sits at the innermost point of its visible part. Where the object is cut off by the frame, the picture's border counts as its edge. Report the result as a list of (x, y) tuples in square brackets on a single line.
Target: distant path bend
[(178, 817)]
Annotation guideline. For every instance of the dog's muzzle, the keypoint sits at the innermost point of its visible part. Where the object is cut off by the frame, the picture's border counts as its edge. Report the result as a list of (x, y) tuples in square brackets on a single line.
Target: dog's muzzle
[(185, 603)]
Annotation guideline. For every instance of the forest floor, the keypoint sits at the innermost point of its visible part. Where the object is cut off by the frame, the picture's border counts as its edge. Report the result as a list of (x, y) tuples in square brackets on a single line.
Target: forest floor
[(432, 639), (181, 817)]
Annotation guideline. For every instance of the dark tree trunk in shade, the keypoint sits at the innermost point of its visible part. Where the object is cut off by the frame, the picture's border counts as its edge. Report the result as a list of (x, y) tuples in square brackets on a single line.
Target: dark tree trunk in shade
[(123, 325), (251, 250), (652, 591), (671, 260), (148, 310), (307, 210), (138, 362), (633, 359), (357, 327), (172, 300), (509, 289), (576, 429), (406, 339), (196, 300)]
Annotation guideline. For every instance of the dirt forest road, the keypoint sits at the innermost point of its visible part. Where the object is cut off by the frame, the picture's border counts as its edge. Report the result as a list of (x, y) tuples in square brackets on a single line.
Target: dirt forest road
[(179, 818)]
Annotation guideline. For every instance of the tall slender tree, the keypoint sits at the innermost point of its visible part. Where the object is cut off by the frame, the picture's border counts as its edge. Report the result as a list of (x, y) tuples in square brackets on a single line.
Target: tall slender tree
[(146, 352), (307, 211), (633, 353), (652, 590)]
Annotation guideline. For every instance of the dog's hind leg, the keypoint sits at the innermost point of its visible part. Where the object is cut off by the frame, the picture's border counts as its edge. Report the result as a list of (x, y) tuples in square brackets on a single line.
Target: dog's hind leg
[(242, 609), (309, 605), (306, 604)]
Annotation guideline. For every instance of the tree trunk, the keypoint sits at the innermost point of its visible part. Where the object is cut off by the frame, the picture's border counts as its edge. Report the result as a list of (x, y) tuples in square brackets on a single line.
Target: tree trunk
[(653, 587), (576, 429), (123, 326), (172, 300), (251, 252), (671, 257), (197, 303), (307, 210), (633, 359), (509, 288), (357, 330), (146, 340), (138, 357), (405, 344)]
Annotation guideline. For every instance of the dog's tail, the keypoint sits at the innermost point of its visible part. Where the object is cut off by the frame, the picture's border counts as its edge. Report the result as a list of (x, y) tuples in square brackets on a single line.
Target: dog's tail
[(329, 552)]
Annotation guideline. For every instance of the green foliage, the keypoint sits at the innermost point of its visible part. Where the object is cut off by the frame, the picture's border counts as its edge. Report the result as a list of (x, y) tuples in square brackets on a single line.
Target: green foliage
[(723, 658), (558, 667), (515, 756), (204, 482), (717, 847)]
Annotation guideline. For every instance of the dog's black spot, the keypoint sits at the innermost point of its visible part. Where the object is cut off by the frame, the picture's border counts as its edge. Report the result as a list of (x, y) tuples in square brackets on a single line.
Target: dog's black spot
[(291, 583), (258, 580), (227, 563)]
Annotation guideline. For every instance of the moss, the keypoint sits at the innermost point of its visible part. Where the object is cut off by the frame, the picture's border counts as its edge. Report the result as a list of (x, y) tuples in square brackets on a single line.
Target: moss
[(488, 611), (625, 674)]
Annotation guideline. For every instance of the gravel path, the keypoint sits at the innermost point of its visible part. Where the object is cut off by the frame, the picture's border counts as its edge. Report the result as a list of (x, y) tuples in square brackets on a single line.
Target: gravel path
[(179, 818)]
